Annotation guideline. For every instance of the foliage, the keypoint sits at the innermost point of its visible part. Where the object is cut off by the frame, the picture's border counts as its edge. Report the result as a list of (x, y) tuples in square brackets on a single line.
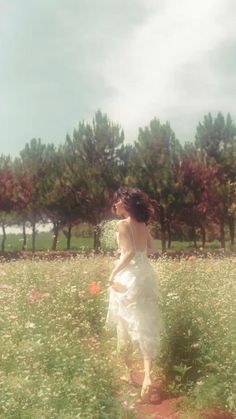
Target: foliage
[(108, 234), (55, 360), (94, 163), (155, 160), (216, 143), (193, 186), (198, 306)]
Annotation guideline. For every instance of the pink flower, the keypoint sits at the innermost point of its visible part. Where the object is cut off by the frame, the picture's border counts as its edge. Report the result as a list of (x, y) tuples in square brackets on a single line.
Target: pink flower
[(35, 296)]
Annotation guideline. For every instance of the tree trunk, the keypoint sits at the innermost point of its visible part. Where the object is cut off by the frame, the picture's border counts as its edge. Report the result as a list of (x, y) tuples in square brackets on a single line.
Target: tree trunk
[(24, 237), (231, 230), (96, 238), (69, 236), (3, 237), (163, 238), (222, 233), (203, 235), (56, 225), (169, 235), (163, 229), (33, 235), (194, 236)]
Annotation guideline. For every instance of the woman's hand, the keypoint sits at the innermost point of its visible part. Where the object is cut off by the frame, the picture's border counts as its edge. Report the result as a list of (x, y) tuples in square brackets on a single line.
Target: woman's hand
[(111, 278), (118, 287)]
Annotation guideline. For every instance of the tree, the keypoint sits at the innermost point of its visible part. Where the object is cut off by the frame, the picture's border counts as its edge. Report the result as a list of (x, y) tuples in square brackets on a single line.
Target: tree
[(156, 159), (35, 160), (199, 195), (13, 197), (95, 166), (216, 141), (63, 204)]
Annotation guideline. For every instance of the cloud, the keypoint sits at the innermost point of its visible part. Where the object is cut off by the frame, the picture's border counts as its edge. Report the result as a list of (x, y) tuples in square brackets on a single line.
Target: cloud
[(52, 63), (165, 69), (135, 59)]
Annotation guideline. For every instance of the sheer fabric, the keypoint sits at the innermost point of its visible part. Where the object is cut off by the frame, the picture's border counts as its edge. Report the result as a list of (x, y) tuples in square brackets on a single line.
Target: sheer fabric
[(136, 308)]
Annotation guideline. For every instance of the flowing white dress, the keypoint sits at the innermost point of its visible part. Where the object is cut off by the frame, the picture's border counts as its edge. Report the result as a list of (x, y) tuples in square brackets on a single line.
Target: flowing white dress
[(135, 311)]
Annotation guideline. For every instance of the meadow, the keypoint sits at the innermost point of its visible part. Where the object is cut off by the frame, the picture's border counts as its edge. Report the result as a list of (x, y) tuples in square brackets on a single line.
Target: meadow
[(44, 243), (59, 361)]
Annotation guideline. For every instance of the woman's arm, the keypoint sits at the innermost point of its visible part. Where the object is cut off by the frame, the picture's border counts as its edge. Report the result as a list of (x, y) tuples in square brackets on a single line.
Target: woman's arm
[(127, 244)]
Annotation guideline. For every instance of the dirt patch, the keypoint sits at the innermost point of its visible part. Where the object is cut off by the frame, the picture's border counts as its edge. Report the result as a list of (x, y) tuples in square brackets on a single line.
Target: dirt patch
[(161, 405)]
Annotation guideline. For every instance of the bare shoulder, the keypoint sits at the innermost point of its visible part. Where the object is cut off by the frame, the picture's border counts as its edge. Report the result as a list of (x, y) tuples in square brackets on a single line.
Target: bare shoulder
[(122, 226)]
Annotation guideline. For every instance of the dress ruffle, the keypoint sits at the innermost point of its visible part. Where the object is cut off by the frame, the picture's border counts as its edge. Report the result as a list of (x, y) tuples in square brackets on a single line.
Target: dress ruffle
[(138, 305)]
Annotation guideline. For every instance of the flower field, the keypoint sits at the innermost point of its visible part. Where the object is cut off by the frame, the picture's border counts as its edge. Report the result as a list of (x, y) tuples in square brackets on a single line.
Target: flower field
[(58, 360), (199, 339)]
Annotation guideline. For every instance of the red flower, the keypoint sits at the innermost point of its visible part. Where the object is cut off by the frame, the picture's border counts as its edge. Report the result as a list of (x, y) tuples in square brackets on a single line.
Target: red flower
[(94, 288)]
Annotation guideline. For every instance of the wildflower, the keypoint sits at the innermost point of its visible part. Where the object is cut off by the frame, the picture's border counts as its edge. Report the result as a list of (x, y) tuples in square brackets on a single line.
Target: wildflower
[(3, 273), (30, 325), (199, 383), (35, 296), (173, 295), (94, 288), (192, 257), (195, 345)]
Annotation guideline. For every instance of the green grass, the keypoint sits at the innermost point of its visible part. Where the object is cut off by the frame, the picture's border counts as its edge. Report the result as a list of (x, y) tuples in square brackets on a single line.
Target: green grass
[(58, 361), (44, 242), (199, 339)]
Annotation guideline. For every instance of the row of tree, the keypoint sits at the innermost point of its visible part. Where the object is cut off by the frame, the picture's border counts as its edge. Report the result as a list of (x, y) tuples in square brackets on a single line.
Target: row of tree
[(193, 185)]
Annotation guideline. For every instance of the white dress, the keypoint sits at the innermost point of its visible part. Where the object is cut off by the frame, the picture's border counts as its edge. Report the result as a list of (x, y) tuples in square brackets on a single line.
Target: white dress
[(136, 309)]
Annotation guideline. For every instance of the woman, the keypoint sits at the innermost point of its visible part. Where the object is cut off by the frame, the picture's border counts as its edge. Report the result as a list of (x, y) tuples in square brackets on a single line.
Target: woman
[(133, 293)]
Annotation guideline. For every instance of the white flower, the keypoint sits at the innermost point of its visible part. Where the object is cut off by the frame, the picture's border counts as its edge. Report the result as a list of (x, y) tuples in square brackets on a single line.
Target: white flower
[(173, 296), (30, 325)]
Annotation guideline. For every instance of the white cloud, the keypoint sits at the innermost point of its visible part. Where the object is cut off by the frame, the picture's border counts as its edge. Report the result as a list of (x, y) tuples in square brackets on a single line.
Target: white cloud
[(135, 59), (147, 69)]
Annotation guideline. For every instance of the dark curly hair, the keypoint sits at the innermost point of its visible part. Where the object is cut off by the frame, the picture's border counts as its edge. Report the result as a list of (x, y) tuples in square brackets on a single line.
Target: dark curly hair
[(136, 202)]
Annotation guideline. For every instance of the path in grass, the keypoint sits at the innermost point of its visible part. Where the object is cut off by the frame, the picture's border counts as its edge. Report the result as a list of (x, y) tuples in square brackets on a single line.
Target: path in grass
[(161, 405)]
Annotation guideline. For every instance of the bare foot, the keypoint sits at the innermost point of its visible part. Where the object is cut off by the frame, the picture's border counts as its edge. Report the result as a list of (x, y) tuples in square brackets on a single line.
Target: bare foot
[(146, 390)]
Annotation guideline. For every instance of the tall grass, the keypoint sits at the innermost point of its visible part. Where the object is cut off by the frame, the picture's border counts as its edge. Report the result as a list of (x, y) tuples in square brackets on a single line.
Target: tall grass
[(199, 338), (55, 360), (58, 361)]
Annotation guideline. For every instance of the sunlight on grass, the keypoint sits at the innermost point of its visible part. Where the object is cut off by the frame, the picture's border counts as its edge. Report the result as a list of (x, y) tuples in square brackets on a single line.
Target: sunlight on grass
[(58, 361)]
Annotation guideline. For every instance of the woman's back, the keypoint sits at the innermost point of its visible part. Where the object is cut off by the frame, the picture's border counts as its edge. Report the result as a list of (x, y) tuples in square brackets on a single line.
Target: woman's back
[(138, 235)]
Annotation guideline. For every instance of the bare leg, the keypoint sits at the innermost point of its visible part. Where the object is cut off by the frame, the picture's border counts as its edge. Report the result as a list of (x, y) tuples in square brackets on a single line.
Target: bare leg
[(124, 348), (147, 371), (146, 387)]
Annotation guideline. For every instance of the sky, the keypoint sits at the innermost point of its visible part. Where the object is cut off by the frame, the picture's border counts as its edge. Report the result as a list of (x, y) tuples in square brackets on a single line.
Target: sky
[(62, 60)]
